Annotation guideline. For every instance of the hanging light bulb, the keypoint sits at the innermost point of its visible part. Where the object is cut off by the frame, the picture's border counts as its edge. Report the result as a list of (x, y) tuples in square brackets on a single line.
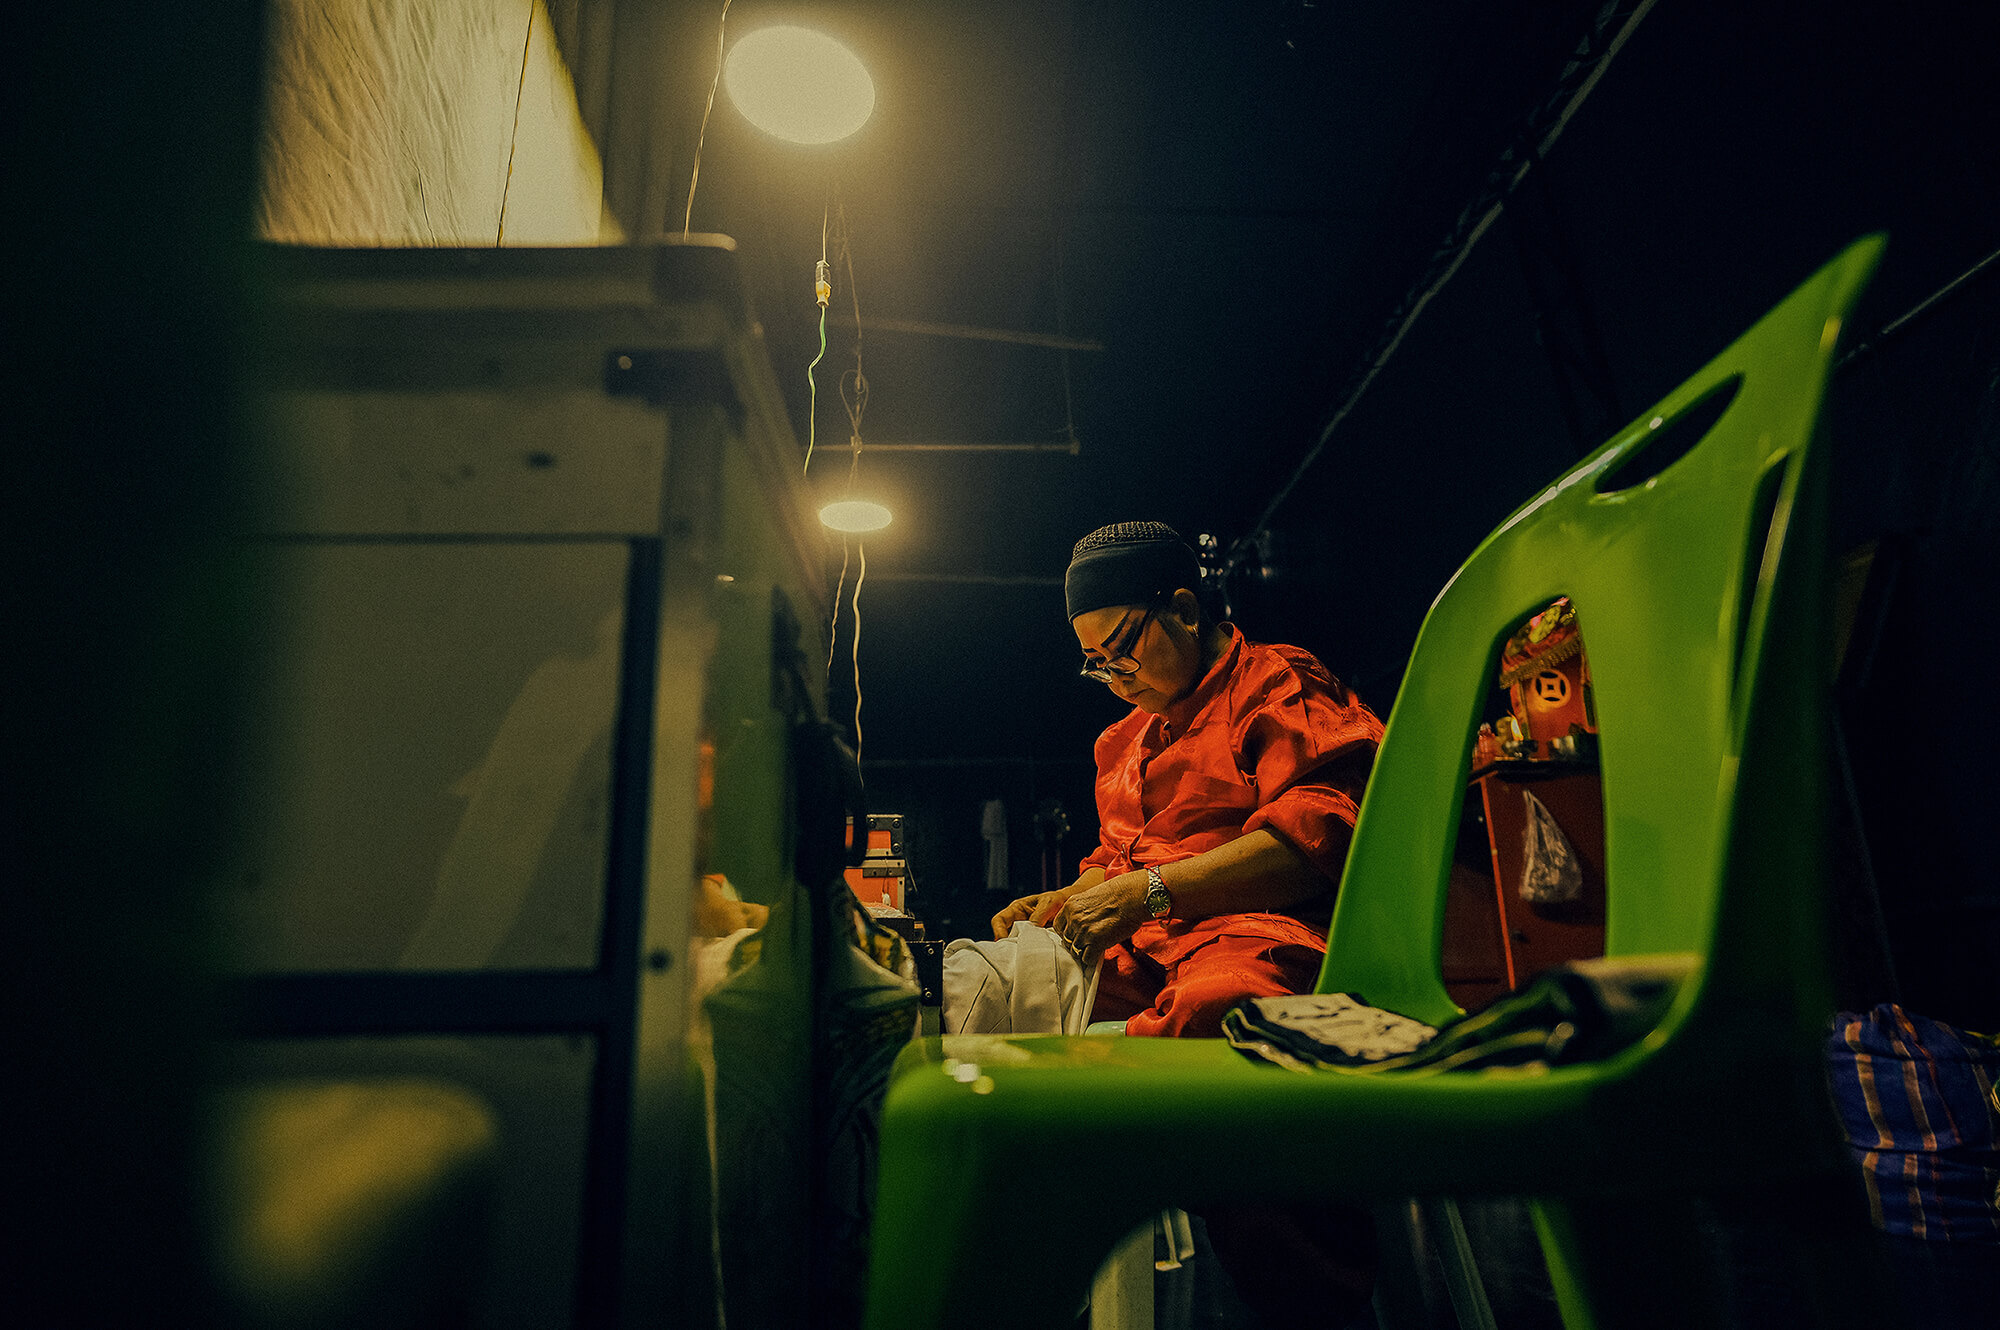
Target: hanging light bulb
[(854, 516), (799, 85)]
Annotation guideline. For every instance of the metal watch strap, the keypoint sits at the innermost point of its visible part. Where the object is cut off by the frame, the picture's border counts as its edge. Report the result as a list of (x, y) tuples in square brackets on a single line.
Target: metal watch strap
[(1159, 901)]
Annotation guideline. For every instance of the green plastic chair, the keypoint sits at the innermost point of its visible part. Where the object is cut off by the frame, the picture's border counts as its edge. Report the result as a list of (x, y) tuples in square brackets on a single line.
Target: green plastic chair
[(1702, 588)]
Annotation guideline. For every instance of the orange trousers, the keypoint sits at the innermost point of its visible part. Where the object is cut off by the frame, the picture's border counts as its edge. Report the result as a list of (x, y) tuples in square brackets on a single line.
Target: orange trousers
[(1181, 979)]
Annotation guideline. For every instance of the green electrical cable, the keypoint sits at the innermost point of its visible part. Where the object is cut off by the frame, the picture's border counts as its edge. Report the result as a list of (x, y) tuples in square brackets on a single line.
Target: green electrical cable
[(812, 390)]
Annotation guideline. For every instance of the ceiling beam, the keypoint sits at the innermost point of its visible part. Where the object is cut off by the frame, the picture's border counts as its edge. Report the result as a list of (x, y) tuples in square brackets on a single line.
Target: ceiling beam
[(918, 328), (967, 579), (1070, 446)]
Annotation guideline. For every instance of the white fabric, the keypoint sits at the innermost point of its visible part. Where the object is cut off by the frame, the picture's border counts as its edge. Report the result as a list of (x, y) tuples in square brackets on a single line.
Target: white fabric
[(1028, 982)]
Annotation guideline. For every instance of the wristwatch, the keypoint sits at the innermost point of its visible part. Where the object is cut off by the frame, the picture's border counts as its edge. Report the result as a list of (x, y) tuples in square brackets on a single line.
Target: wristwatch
[(1159, 901)]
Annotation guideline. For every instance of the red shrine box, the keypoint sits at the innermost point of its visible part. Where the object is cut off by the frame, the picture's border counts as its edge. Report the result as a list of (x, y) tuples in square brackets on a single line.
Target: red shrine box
[(1547, 676)]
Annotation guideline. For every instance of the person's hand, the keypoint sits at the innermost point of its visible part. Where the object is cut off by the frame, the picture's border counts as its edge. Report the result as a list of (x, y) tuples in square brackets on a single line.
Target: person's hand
[(1036, 909), (1096, 918), (717, 913)]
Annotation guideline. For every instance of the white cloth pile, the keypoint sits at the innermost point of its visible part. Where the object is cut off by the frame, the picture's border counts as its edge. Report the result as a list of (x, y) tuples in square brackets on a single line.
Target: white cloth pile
[(1028, 982)]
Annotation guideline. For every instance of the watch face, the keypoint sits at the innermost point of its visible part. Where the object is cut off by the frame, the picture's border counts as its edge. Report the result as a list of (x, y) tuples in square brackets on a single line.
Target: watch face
[(1158, 901)]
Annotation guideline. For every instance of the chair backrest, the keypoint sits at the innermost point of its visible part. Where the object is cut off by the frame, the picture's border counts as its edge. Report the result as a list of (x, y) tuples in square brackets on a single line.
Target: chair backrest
[(1698, 582)]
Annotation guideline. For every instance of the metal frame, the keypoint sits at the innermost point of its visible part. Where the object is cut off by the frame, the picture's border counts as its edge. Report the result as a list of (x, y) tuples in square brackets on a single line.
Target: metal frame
[(600, 1002), (668, 325)]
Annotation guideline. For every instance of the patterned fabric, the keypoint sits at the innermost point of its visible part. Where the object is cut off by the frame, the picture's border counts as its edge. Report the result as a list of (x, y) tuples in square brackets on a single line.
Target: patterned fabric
[(1322, 1030), (1584, 1011), (1918, 1101)]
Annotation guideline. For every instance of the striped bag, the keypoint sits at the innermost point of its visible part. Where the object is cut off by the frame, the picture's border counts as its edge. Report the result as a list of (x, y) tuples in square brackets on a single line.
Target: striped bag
[(1919, 1103)]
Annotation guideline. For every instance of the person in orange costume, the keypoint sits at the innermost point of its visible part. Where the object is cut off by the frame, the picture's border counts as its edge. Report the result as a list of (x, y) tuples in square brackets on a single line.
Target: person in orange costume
[(1225, 799)]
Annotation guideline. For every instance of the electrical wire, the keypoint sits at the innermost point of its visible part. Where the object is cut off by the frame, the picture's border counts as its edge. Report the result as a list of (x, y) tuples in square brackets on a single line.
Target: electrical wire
[(812, 391), (861, 549), (721, 26), (822, 292), (857, 404), (853, 388), (1615, 22), (514, 139), (833, 625), (1921, 308)]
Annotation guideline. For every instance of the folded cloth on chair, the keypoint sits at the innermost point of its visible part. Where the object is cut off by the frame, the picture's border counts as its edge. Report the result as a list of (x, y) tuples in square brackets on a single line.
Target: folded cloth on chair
[(1309, 1030), (1573, 1013)]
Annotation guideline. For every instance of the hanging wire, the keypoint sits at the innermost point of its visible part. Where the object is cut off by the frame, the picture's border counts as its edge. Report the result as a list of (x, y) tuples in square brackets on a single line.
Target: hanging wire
[(822, 292), (514, 139), (812, 391), (854, 396), (854, 383), (861, 549), (721, 24), (833, 624)]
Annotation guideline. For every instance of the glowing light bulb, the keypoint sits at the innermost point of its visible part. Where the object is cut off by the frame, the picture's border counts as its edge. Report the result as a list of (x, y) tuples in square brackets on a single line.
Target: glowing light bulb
[(854, 516), (798, 84)]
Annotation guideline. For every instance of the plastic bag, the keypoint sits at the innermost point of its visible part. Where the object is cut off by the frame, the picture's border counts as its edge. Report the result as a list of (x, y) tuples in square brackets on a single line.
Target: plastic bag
[(1550, 871)]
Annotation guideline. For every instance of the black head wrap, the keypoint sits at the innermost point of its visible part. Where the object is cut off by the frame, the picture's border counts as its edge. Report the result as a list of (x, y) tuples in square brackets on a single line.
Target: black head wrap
[(1127, 563)]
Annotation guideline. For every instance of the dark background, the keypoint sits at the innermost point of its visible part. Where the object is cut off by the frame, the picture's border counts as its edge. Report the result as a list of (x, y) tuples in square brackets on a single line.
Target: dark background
[(1230, 198)]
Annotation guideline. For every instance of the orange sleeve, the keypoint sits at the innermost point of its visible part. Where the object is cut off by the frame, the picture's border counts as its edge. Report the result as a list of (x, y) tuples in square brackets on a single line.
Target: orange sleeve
[(1309, 749), (1101, 857)]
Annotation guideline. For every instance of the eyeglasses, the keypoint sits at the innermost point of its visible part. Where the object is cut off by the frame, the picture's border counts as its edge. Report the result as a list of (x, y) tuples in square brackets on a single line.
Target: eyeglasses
[(1118, 662)]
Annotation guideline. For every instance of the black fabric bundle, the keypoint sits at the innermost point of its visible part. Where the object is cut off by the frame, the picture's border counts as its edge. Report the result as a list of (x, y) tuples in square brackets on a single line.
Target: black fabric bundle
[(1582, 1012)]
